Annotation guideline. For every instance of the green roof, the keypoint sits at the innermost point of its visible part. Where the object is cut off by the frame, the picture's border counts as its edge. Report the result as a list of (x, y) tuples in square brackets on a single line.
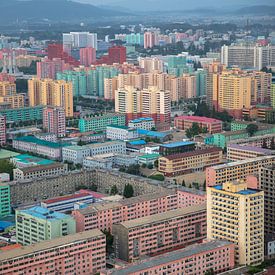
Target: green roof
[(25, 158), (149, 156), (41, 142), (119, 127), (5, 154)]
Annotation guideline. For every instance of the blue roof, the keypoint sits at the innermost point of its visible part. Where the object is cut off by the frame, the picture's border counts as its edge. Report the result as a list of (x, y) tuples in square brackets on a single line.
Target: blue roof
[(25, 158), (44, 213), (151, 133), (218, 187), (177, 144), (4, 225), (141, 119), (247, 192), (137, 142)]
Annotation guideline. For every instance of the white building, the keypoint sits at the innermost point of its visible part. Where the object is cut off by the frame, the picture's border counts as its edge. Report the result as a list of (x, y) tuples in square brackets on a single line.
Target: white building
[(146, 123), (79, 40), (98, 161), (75, 154), (116, 147), (121, 132)]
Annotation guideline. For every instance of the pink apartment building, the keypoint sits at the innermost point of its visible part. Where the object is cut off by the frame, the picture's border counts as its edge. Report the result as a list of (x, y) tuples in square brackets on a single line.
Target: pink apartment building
[(104, 215), (80, 253), (159, 233), (87, 56), (2, 130), (195, 259)]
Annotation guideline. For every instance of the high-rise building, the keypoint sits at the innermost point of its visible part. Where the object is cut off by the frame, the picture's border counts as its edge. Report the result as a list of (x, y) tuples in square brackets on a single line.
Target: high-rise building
[(266, 183), (79, 40), (54, 121), (135, 39), (151, 102), (87, 56), (151, 64), (36, 224), (2, 130), (47, 68), (150, 39), (58, 93), (116, 54), (5, 202), (272, 95), (177, 65), (236, 213), (8, 95)]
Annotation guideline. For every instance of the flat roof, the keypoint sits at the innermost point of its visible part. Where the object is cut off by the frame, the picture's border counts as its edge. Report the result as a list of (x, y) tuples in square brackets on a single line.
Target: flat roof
[(177, 144), (103, 116), (44, 213), (242, 192), (6, 154), (25, 158), (77, 147), (164, 216), (252, 149), (142, 119), (199, 119), (41, 167), (67, 197), (49, 244), (119, 127), (171, 257), (152, 133), (95, 145), (149, 156)]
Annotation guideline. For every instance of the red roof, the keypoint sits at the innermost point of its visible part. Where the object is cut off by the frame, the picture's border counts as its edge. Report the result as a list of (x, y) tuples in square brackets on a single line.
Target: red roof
[(198, 119), (93, 193), (65, 198)]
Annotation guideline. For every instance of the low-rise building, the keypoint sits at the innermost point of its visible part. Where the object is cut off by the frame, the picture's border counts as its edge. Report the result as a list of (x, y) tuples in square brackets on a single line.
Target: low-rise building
[(237, 170), (75, 154), (39, 171), (99, 162), (38, 223), (121, 132), (176, 147), (146, 123), (237, 152), (217, 255), (159, 233), (25, 160), (118, 147), (148, 159), (60, 255), (189, 162), (185, 122)]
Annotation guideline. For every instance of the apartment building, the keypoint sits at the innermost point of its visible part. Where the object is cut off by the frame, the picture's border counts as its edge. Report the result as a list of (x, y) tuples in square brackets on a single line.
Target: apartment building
[(40, 171), (189, 162), (266, 183), (146, 123), (5, 200), (236, 213), (177, 147), (36, 224), (2, 130), (159, 233), (75, 154), (115, 132), (104, 215), (238, 170), (185, 122), (236, 152), (196, 259), (118, 147), (81, 253)]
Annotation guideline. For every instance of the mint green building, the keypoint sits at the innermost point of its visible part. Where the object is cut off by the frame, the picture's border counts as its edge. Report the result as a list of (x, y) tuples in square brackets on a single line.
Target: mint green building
[(200, 82), (135, 39), (100, 122), (221, 139), (177, 65), (239, 125), (23, 114), (5, 200), (37, 224)]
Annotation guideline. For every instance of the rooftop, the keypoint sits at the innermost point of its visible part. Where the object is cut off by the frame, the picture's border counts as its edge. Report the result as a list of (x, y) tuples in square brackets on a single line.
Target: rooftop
[(95, 145), (241, 192), (41, 142), (171, 257), (149, 156), (41, 167), (252, 149), (199, 119), (49, 244), (152, 133), (77, 147), (137, 142), (119, 127), (68, 197), (138, 120), (164, 216), (177, 144), (25, 158), (43, 213), (102, 117)]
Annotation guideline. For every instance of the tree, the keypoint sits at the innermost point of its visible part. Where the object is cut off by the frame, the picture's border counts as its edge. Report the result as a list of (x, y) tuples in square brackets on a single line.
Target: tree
[(264, 144), (251, 129), (7, 167), (183, 183), (93, 187), (143, 165), (114, 190), (272, 144), (150, 166), (128, 191), (159, 177), (156, 163)]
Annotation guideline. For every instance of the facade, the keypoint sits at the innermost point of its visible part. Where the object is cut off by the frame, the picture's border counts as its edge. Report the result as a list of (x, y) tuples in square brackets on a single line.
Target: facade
[(159, 233), (237, 152), (178, 147), (52, 150), (238, 170), (99, 162), (57, 93), (59, 255), (117, 147), (148, 159), (233, 210), (2, 130), (189, 162), (115, 132), (79, 40), (215, 255), (47, 68), (266, 183), (25, 160), (23, 114), (104, 215), (75, 154), (146, 123), (54, 121), (151, 102), (100, 123), (186, 122), (37, 224), (87, 56), (39, 171), (5, 207), (273, 95)]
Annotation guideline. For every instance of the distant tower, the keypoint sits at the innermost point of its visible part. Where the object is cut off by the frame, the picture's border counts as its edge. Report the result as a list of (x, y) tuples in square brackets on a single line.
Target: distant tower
[(5, 65)]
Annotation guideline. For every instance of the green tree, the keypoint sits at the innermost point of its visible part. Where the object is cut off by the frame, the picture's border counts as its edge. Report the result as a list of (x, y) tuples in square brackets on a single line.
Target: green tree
[(156, 163), (128, 191), (150, 166), (251, 129), (183, 183), (159, 177), (109, 240), (143, 165), (94, 187), (264, 144), (114, 190), (7, 167), (209, 272)]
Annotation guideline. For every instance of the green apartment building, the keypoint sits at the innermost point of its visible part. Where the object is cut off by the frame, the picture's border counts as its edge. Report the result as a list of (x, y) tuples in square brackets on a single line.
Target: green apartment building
[(100, 123), (5, 206), (23, 114), (37, 224)]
